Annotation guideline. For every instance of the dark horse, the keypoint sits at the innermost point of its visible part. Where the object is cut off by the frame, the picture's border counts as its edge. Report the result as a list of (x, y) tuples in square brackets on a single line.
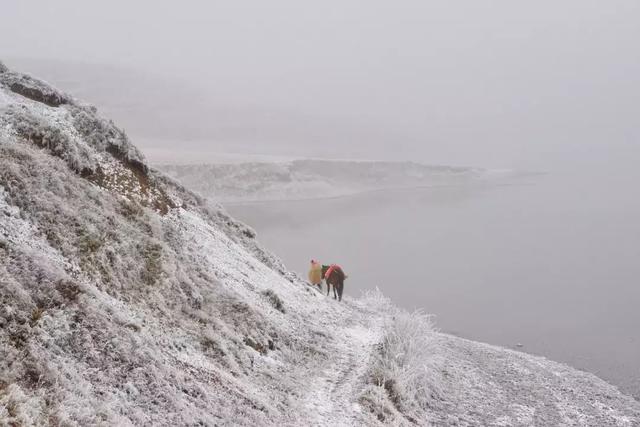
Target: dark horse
[(335, 278)]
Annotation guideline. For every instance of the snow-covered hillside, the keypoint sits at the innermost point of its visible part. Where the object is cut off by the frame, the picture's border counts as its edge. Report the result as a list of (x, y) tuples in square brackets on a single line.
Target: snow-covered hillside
[(314, 178), (128, 300)]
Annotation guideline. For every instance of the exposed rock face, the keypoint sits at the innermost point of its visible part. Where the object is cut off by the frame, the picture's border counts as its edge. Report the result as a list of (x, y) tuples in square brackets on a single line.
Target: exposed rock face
[(32, 88)]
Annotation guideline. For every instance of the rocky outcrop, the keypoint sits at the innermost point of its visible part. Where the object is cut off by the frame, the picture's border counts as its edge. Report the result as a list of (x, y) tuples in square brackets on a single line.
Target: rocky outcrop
[(32, 88)]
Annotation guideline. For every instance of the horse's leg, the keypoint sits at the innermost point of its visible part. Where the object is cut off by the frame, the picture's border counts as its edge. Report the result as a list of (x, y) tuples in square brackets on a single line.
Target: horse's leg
[(340, 289), (335, 296), (328, 287)]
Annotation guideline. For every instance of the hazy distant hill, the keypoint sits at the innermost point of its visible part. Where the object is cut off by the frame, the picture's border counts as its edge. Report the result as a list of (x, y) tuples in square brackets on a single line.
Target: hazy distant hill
[(310, 178)]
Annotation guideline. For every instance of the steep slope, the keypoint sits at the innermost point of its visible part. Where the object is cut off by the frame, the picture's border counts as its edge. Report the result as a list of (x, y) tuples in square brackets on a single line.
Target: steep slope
[(128, 300)]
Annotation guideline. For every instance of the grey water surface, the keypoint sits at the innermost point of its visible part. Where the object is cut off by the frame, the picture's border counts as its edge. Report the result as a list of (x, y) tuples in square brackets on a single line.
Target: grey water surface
[(550, 262)]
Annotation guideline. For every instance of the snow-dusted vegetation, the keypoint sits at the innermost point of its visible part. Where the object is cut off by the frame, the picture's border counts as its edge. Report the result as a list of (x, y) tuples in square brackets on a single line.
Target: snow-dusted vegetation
[(126, 299), (313, 178), (402, 369)]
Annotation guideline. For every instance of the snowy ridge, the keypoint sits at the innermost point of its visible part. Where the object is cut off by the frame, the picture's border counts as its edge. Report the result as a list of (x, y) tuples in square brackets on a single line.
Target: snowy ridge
[(126, 299), (316, 178)]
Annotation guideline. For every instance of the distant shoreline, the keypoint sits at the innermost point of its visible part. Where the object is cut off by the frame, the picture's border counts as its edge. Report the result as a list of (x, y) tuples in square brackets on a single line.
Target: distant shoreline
[(364, 192)]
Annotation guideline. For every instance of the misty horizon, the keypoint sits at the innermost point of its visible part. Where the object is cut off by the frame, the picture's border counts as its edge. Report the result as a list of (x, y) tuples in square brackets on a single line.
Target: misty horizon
[(539, 86)]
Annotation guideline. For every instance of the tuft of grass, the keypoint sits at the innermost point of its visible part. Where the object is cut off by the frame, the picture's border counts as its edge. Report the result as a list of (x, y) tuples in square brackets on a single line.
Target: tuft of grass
[(376, 300), (130, 209), (403, 367), (260, 348), (36, 314), (90, 243), (209, 343), (274, 299), (152, 264), (69, 290), (376, 402)]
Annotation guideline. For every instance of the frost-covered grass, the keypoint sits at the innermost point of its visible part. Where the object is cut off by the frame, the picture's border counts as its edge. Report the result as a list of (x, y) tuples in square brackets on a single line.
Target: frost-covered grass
[(403, 367), (113, 310), (419, 376), (404, 375), (126, 299), (274, 299)]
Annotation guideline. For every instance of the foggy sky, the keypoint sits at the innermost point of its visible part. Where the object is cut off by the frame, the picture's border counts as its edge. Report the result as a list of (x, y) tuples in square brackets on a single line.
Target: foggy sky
[(495, 83)]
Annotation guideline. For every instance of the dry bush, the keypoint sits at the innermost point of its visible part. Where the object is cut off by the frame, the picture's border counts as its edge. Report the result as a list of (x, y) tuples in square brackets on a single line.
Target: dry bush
[(274, 299), (404, 367)]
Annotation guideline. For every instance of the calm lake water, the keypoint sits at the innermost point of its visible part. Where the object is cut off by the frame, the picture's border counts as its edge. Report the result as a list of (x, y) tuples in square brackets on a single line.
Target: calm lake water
[(552, 262)]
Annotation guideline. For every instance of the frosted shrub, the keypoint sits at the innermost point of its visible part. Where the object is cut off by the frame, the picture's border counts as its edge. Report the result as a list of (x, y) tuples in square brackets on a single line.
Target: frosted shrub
[(403, 366), (375, 300), (54, 139), (274, 299), (104, 135)]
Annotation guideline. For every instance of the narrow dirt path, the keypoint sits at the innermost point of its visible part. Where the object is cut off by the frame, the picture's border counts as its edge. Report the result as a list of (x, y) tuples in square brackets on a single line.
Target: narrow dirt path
[(333, 393)]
